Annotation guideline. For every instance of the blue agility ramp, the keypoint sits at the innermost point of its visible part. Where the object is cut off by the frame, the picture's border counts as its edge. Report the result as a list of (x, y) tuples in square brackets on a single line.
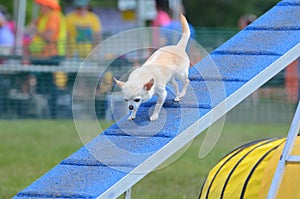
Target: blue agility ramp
[(123, 154)]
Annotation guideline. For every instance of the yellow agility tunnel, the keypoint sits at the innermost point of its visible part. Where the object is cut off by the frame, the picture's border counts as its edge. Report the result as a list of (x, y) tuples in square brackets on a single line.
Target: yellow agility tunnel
[(247, 173)]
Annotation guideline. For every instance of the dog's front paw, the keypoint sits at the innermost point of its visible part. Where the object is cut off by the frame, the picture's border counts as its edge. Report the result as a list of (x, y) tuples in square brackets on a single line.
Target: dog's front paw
[(178, 98), (131, 117), (154, 117)]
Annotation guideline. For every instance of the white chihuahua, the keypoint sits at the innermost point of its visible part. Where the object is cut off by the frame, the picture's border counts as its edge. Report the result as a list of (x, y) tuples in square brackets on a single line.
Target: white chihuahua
[(165, 65)]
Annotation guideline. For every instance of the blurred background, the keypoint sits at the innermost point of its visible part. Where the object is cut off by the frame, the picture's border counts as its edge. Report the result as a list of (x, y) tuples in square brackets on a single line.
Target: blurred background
[(42, 46), (38, 86)]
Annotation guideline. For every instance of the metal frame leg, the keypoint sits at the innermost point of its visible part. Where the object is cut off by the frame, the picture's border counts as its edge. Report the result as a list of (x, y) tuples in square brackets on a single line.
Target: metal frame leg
[(286, 154), (127, 194)]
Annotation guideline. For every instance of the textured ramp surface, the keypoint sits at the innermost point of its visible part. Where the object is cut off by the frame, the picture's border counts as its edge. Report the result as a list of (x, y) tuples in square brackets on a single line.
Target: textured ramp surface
[(117, 159)]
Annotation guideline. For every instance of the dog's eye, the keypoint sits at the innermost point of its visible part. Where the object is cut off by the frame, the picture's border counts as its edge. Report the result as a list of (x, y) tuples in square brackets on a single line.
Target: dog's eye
[(126, 100), (136, 100)]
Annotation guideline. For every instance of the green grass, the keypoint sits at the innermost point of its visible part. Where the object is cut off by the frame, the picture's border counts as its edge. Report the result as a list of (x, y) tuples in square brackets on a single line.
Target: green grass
[(184, 178), (29, 148)]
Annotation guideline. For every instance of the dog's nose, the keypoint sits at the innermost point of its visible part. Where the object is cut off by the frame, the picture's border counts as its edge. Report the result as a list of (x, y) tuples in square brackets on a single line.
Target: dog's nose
[(130, 107)]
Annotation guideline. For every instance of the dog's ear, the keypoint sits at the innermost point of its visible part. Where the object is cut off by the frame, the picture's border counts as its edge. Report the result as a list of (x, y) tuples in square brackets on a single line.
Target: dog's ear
[(119, 83), (149, 85)]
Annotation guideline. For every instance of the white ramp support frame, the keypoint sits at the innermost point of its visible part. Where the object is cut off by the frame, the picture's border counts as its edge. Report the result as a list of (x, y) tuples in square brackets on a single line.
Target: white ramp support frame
[(127, 194), (286, 157)]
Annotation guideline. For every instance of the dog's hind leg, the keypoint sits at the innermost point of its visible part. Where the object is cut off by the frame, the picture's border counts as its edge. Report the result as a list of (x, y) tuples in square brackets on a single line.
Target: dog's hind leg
[(186, 82), (175, 85)]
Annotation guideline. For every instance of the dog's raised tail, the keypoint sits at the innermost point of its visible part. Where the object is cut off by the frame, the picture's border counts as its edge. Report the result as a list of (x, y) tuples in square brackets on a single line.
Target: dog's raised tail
[(185, 32)]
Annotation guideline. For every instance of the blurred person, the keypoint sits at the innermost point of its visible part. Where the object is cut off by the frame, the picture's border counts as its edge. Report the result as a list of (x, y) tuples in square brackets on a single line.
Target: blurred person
[(7, 38), (47, 47), (10, 23), (291, 81), (246, 20), (61, 97), (162, 18), (105, 87), (49, 34), (106, 84), (84, 29)]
